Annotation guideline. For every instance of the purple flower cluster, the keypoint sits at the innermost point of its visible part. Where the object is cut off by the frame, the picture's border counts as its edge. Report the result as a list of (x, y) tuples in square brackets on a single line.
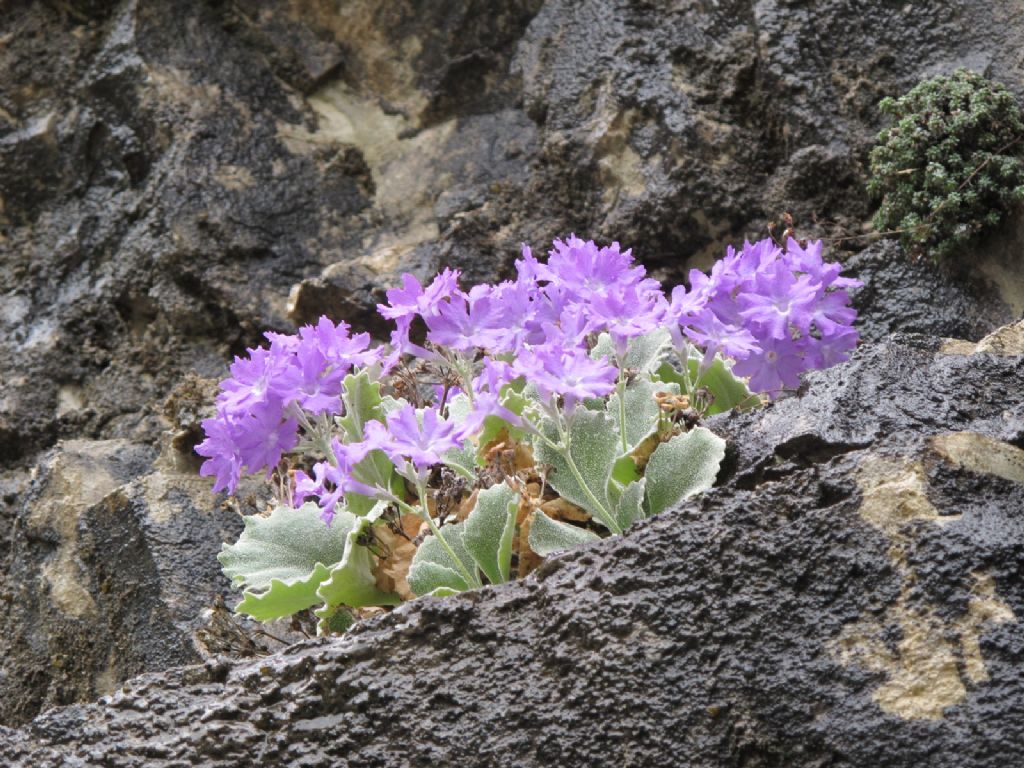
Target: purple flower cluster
[(412, 441), (541, 321), (776, 313), (259, 405)]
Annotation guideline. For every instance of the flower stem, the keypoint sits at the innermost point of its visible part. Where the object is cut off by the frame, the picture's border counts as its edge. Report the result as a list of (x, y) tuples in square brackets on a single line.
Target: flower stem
[(621, 390), (684, 359), (565, 449), (464, 369), (421, 490)]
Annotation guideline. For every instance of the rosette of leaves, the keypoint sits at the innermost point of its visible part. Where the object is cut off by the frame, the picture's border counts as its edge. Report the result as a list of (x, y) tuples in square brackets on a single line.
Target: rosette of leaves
[(627, 459), (951, 164), (618, 464), (617, 460)]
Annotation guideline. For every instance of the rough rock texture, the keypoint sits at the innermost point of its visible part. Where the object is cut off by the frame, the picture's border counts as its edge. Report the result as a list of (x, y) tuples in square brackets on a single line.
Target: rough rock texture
[(849, 596), (109, 573), (964, 297), (178, 176), (919, 297)]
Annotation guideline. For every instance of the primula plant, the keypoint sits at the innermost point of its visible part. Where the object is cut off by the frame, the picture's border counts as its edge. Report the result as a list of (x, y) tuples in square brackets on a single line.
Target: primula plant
[(505, 422), (951, 164)]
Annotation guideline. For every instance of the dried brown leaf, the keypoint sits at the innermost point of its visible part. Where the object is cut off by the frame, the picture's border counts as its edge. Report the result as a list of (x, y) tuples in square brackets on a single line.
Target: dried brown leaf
[(560, 509)]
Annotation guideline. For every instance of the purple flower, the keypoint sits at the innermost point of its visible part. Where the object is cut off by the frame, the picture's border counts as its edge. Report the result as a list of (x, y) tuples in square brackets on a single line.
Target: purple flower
[(404, 304), (319, 487), (487, 397), (707, 331), (809, 260), (467, 322), (330, 481), (569, 332), (253, 378), (832, 313), (224, 462), (412, 299), (402, 344), (780, 299), (282, 343), (312, 382), (831, 349), (320, 358), (778, 313), (333, 342), (263, 435), (686, 304), (777, 365), (584, 270), (406, 437), (569, 373), (626, 312), (439, 392), (520, 310), (251, 442), (527, 268)]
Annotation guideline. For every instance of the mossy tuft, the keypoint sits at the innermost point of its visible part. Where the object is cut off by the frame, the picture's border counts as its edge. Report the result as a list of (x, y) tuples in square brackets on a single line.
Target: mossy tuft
[(951, 164)]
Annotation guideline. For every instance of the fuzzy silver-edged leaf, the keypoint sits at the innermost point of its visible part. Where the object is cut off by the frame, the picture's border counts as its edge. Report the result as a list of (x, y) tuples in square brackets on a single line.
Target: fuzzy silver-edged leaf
[(489, 530), (682, 467), (549, 536)]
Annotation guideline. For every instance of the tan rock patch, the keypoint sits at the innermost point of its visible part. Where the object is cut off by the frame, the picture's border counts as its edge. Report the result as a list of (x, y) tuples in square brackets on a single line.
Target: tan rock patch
[(935, 660)]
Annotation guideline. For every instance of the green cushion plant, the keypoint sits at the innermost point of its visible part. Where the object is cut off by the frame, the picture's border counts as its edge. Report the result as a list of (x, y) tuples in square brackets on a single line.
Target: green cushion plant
[(951, 164)]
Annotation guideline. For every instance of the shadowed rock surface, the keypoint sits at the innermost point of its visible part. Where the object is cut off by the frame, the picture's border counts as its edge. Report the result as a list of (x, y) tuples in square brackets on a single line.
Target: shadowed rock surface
[(849, 596), (177, 177), (111, 571)]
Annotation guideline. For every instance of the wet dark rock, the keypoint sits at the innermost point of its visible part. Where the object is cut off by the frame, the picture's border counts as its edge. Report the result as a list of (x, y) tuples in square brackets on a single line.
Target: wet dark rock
[(848, 596), (172, 171), (919, 296), (111, 565)]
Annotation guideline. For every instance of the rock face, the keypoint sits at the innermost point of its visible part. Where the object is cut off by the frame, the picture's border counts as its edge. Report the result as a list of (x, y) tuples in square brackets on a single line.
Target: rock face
[(110, 572), (850, 595), (177, 177)]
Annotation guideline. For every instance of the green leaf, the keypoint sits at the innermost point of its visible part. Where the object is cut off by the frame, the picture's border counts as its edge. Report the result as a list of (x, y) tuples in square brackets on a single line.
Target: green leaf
[(281, 559), (593, 447), (641, 409), (603, 348), (644, 353), (389, 404), (283, 598), (728, 390), (630, 506), (362, 400), (433, 572), (463, 458), (489, 529), (336, 624), (435, 580), (667, 373), (549, 536), (685, 465), (375, 469), (513, 399), (363, 403), (351, 582), (625, 471)]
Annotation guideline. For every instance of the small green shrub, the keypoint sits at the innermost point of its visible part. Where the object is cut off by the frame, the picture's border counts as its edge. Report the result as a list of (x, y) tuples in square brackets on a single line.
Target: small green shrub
[(950, 165)]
